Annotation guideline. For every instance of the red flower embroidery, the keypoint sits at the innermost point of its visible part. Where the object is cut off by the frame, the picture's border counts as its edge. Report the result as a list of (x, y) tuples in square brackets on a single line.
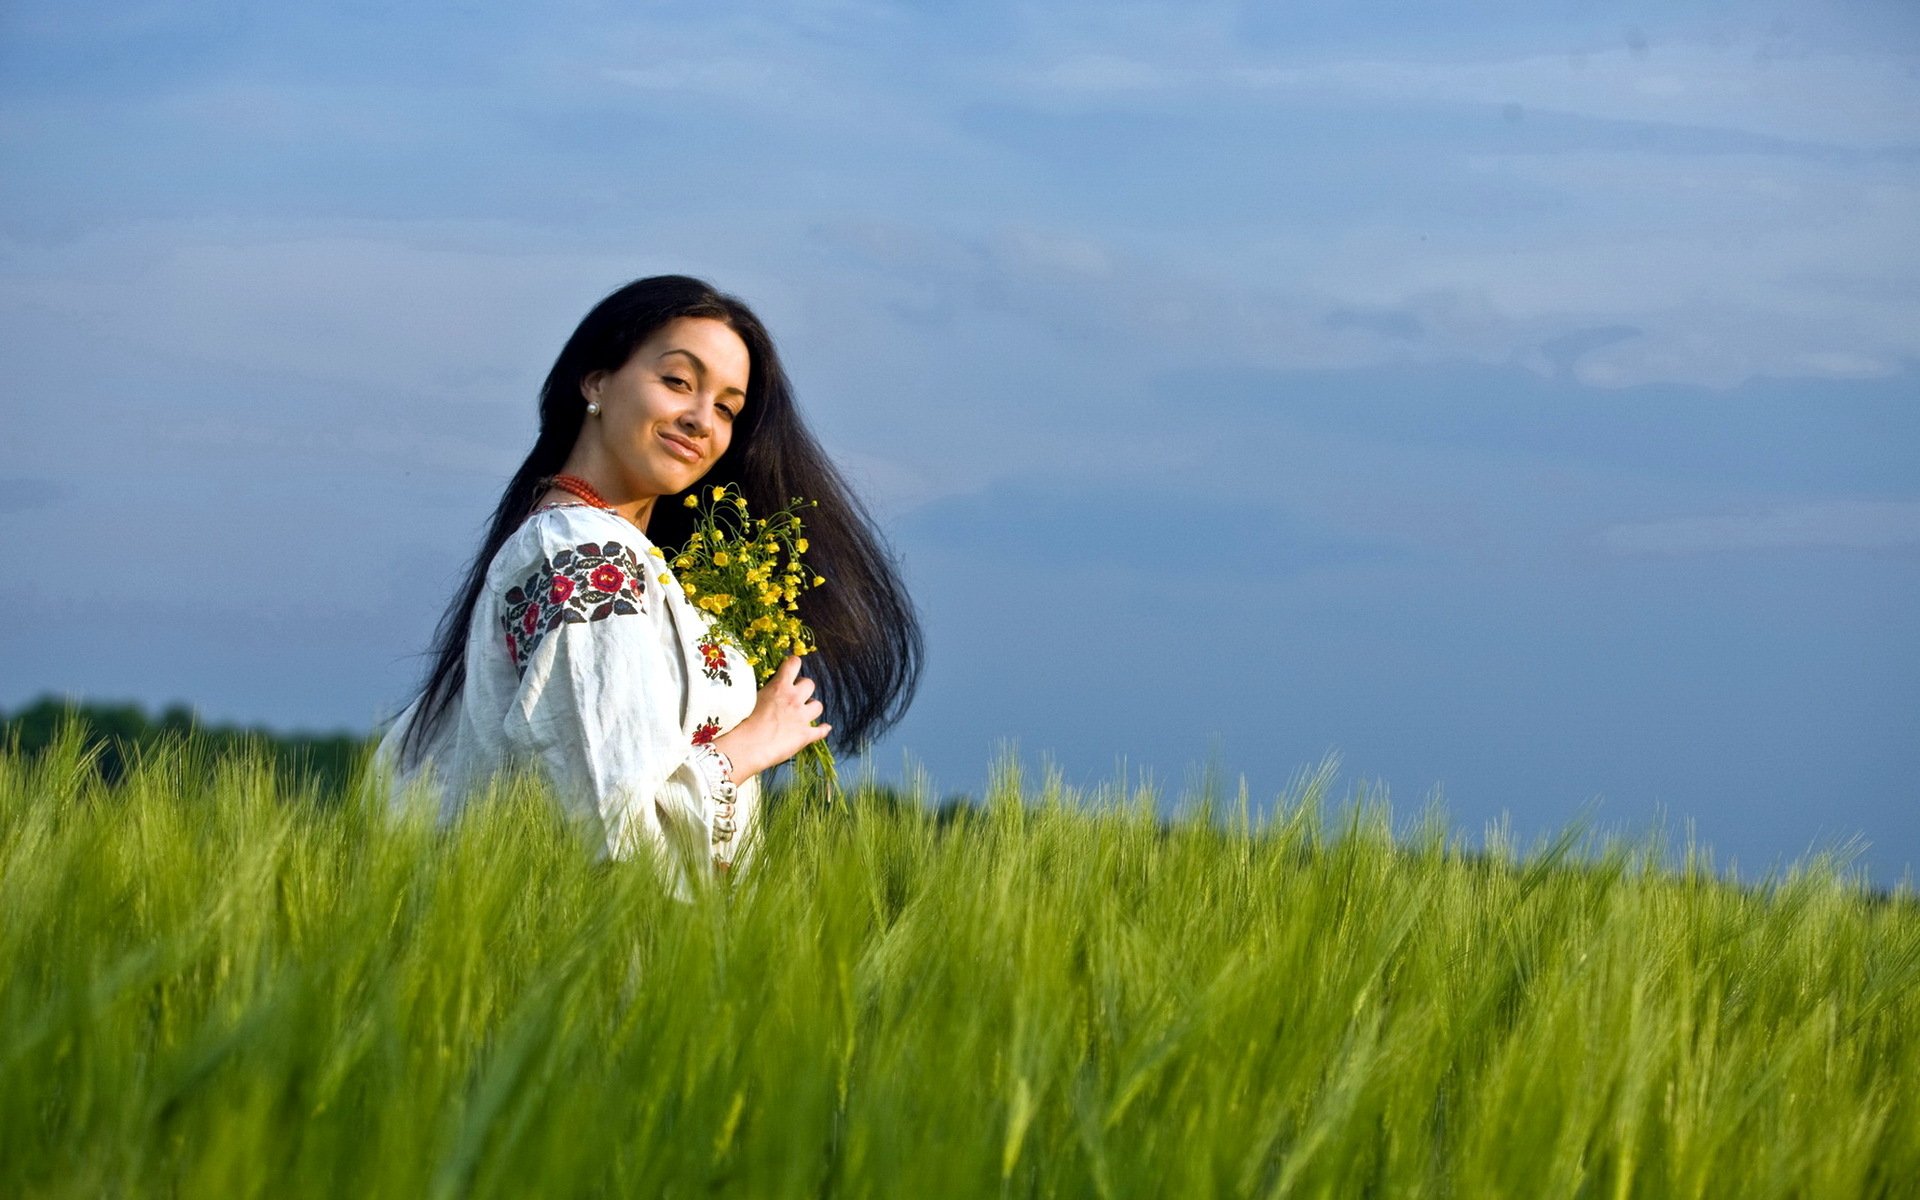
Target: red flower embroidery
[(588, 582), (606, 578), (705, 732), (713, 662)]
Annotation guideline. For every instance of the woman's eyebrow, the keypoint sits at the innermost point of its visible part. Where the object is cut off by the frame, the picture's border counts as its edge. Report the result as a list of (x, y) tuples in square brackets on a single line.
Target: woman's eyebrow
[(702, 368)]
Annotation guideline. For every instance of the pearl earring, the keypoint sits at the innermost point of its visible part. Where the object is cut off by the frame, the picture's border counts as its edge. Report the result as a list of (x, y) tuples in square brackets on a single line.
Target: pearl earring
[(593, 408)]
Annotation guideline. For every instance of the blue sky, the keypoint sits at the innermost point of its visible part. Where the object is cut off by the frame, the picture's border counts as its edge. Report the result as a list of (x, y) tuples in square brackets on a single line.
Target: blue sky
[(1517, 400)]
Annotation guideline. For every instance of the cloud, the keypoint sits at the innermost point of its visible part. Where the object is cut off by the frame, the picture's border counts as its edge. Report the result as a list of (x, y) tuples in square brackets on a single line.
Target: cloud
[(1657, 449), (1846, 525), (1740, 85), (1286, 209), (1104, 73), (1729, 266), (1636, 307), (1052, 523), (1742, 199), (1846, 100), (1394, 323), (1566, 350), (444, 307)]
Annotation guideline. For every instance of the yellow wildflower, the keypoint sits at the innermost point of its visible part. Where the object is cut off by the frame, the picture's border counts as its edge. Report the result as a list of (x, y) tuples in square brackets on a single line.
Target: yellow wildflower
[(801, 546), (817, 581), (721, 558), (664, 579), (656, 551), (718, 491), (692, 501)]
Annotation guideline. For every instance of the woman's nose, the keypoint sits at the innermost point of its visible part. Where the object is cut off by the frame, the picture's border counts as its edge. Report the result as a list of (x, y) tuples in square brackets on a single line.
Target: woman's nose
[(697, 417)]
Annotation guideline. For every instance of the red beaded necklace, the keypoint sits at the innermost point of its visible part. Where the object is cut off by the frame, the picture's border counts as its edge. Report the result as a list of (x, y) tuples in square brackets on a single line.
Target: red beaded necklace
[(579, 487)]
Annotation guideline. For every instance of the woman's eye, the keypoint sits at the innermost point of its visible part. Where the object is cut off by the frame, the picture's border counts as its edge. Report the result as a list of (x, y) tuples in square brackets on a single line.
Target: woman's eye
[(675, 381), (727, 412)]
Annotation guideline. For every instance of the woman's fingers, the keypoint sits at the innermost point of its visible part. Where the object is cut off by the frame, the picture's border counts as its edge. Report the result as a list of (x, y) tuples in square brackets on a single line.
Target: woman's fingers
[(787, 702)]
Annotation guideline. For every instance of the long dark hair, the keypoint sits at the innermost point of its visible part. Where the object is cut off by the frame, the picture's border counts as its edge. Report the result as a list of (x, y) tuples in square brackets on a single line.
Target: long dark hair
[(869, 645)]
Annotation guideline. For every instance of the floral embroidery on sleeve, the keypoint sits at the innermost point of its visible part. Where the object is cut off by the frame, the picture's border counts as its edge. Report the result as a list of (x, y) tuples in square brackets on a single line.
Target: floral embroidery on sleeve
[(590, 582), (713, 662), (706, 731)]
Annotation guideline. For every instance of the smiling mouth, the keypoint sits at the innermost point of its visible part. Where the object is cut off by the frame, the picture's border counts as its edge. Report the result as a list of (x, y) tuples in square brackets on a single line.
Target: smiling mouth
[(681, 447)]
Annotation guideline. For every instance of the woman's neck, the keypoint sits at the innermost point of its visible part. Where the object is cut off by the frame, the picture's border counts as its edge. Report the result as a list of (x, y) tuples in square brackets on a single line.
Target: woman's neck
[(636, 509)]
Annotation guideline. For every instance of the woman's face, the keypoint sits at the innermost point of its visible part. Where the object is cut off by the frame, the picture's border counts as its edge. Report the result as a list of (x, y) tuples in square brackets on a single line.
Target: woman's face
[(667, 415)]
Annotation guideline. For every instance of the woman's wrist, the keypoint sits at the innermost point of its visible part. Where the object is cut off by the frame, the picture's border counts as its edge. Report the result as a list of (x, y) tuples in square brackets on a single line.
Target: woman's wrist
[(739, 752)]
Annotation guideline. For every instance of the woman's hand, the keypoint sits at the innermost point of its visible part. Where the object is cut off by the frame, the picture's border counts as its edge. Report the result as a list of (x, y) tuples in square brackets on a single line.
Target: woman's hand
[(780, 724)]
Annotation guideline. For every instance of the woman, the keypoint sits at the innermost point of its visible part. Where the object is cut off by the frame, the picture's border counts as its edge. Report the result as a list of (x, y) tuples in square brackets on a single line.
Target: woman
[(570, 646)]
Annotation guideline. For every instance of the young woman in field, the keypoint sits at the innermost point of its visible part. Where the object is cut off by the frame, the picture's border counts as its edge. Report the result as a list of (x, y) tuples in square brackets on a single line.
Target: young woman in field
[(571, 648)]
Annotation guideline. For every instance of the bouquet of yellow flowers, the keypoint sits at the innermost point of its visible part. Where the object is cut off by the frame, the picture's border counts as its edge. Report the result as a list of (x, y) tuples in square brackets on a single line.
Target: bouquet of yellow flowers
[(747, 574)]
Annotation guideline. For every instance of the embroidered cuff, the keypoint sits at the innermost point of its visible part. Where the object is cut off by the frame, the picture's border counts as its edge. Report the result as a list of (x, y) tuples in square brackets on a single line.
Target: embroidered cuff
[(716, 771)]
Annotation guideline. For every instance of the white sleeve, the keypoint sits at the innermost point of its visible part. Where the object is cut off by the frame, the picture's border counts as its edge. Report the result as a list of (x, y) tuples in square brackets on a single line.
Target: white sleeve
[(598, 709)]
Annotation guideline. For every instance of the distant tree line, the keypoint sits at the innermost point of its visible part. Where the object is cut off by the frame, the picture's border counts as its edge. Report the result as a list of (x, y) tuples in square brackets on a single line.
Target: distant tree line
[(119, 733)]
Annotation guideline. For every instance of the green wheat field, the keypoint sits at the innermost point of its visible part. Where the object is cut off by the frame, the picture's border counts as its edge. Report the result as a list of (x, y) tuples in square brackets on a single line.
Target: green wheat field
[(219, 981)]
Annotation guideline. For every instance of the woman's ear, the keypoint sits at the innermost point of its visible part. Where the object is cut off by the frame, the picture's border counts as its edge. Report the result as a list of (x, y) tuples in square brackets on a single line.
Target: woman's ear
[(591, 383)]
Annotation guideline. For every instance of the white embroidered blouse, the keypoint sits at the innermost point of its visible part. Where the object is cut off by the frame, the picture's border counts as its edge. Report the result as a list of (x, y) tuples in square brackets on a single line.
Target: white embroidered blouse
[(586, 660)]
